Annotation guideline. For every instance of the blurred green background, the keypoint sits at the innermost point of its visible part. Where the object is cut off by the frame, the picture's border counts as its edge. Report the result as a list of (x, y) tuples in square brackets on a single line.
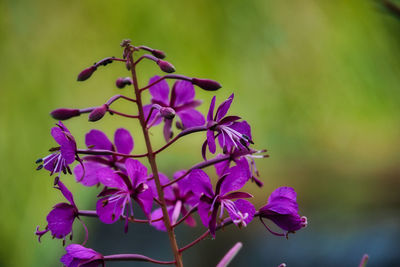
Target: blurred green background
[(317, 80)]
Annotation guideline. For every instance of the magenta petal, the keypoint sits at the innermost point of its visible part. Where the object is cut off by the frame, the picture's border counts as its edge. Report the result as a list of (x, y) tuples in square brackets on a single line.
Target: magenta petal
[(109, 209), (211, 110), (283, 201), (182, 93), (191, 118), (211, 141), (60, 220), (80, 252), (242, 127), (136, 171), (235, 180), (167, 129), (223, 108), (58, 135), (123, 141), (90, 178), (154, 119), (109, 178), (67, 194), (200, 183), (222, 167), (168, 192), (244, 207), (159, 225), (98, 140), (145, 200), (204, 212), (159, 91), (235, 195)]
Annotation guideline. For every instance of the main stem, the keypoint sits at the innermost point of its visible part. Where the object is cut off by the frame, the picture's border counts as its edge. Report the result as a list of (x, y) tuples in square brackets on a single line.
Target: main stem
[(152, 160)]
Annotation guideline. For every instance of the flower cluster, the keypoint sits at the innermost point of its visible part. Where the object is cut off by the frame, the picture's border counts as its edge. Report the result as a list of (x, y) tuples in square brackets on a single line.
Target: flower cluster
[(124, 181)]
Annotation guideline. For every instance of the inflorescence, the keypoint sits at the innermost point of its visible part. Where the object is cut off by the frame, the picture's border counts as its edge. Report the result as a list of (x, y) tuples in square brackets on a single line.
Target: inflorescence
[(124, 181)]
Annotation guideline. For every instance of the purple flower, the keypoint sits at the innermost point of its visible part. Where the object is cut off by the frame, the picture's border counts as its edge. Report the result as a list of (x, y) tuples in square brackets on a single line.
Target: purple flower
[(78, 255), (181, 103), (63, 155), (283, 210), (121, 189), (243, 158), (179, 199), (230, 132), (61, 218), (86, 173), (241, 211)]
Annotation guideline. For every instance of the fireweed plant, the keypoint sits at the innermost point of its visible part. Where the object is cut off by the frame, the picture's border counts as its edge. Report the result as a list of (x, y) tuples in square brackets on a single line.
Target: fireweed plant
[(124, 181)]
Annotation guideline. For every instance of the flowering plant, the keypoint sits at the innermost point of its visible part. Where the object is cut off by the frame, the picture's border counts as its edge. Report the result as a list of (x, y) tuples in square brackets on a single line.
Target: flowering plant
[(124, 181)]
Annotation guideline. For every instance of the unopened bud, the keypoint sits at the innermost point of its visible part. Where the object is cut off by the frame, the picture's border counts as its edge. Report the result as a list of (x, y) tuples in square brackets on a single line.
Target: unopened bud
[(98, 113), (158, 53), (64, 113), (122, 82), (86, 73), (165, 66), (168, 113), (206, 84)]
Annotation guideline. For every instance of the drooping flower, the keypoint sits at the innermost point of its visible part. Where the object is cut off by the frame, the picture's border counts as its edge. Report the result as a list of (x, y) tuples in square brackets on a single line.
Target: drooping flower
[(63, 155), (230, 132), (241, 211), (179, 200), (121, 189), (78, 255), (181, 103), (283, 210), (62, 217), (86, 173)]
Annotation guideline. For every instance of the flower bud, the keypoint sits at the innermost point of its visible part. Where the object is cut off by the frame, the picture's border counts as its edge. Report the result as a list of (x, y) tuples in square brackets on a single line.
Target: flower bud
[(86, 73), (206, 84), (98, 113), (122, 82), (165, 66), (168, 113), (64, 113), (158, 53)]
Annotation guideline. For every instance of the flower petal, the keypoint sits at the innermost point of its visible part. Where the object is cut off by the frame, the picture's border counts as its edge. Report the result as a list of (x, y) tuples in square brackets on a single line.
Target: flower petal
[(90, 178), (235, 180), (123, 141), (145, 200), (182, 93), (109, 178), (200, 183), (109, 209), (136, 171), (67, 194), (80, 252), (159, 91), (167, 129), (98, 140), (223, 108), (243, 206), (211, 109), (211, 141), (60, 220), (204, 209), (191, 118)]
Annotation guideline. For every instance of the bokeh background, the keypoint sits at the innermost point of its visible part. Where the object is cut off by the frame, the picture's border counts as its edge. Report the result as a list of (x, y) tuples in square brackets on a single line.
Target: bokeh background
[(317, 80)]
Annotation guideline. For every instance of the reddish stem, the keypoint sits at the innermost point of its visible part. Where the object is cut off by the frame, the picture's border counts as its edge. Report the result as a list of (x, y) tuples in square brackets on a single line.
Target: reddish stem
[(135, 257), (122, 114), (108, 152), (168, 76), (92, 213), (152, 161)]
